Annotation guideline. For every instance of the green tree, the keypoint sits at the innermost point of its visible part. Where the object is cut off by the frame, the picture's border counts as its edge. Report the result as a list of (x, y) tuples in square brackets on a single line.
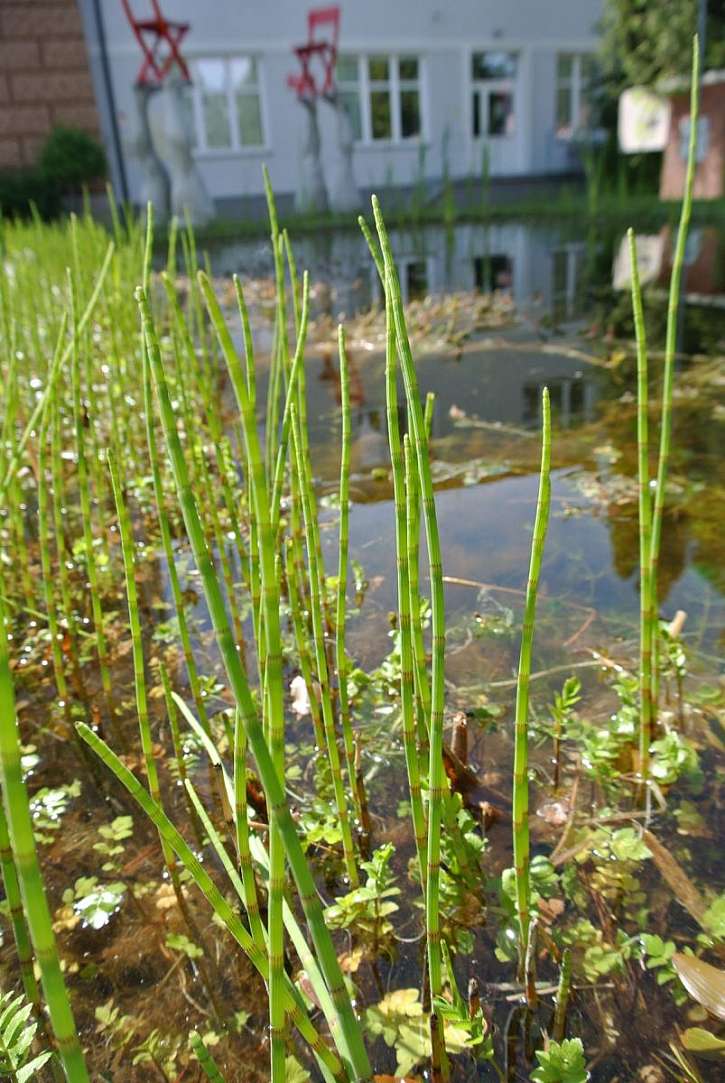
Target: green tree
[(643, 42)]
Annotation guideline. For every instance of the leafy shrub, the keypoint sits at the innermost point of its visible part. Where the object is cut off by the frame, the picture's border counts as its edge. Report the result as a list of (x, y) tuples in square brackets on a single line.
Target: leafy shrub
[(69, 159)]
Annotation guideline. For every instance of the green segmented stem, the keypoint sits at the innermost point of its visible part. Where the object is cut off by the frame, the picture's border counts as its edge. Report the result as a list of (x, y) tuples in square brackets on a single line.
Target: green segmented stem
[(342, 560), (436, 777), (351, 1043), (44, 546), (219, 904), (422, 687), (262, 858), (241, 823), (35, 904), (128, 550), (167, 544), (299, 626), (404, 486), (23, 947), (58, 365), (647, 615), (521, 740), (58, 504), (669, 363), (295, 374), (87, 519), (272, 669), (318, 630), (562, 996), (206, 1061)]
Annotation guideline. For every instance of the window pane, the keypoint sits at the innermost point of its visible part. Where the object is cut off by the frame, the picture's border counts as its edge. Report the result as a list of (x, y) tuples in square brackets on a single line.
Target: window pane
[(476, 113), (408, 67), (351, 104), (500, 113), (243, 71), (379, 68), (216, 120), (588, 68), (249, 119), (380, 114), (563, 107), (409, 113), (347, 69), (564, 65), (493, 65), (211, 75)]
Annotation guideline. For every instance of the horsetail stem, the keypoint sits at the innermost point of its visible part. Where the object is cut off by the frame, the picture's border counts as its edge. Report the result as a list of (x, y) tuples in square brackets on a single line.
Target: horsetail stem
[(342, 560), (166, 542), (521, 750), (318, 628), (351, 1044), (647, 611), (436, 779), (669, 363), (273, 696), (80, 421), (403, 483), (58, 365), (23, 947), (25, 858), (294, 597), (206, 1060), (244, 857)]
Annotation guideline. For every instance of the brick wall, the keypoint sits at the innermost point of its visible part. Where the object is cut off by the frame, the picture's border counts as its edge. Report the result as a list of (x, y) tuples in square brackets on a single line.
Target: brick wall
[(44, 77)]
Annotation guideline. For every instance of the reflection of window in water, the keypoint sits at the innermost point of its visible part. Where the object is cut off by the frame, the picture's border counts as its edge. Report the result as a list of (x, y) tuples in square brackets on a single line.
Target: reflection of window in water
[(566, 266), (493, 272), (571, 400)]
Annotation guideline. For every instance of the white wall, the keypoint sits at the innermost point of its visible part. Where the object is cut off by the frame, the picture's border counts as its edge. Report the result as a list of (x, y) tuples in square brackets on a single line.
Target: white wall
[(443, 33)]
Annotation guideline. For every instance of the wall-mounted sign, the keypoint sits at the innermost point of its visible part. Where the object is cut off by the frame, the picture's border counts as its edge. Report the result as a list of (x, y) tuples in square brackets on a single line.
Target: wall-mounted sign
[(644, 121)]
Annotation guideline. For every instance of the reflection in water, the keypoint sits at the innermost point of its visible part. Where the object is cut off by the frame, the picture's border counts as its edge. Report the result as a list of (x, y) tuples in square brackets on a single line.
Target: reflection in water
[(487, 416), (529, 262)]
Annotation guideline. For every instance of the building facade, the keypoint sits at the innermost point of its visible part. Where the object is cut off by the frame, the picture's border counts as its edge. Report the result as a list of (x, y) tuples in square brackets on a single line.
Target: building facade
[(456, 89)]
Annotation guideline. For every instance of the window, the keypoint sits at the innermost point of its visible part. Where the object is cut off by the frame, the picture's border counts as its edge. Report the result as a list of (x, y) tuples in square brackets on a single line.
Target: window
[(493, 272), (493, 98), (381, 94), (574, 73), (227, 107)]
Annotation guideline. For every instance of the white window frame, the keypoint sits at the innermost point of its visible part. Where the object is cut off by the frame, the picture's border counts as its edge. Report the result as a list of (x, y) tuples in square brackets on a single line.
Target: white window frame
[(235, 148), (485, 87), (576, 86), (394, 84)]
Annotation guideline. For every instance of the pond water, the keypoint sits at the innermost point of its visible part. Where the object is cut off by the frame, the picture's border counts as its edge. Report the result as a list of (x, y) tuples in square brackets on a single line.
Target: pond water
[(487, 403), (560, 318)]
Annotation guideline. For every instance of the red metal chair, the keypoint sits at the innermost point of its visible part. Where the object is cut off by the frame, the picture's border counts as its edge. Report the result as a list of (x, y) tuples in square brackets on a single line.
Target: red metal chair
[(324, 49), (151, 35)]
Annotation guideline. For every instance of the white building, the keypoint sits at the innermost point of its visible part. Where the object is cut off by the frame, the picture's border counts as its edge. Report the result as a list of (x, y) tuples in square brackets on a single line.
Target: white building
[(435, 88)]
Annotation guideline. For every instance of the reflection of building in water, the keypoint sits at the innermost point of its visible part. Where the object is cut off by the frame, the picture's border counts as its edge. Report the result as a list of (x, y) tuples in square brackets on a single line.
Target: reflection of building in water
[(567, 263), (572, 400), (521, 260)]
